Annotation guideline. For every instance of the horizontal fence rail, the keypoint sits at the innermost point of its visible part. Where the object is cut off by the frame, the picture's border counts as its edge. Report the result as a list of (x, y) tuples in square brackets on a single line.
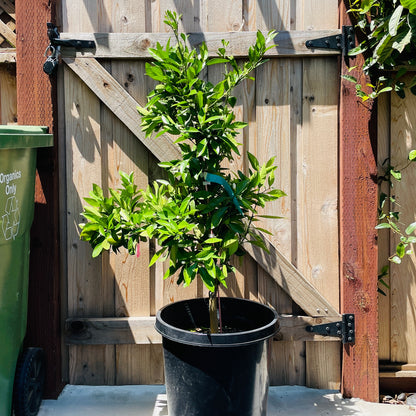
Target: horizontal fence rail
[(135, 45)]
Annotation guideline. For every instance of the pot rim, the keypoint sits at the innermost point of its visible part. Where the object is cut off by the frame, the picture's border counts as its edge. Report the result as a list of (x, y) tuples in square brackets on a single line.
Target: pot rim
[(217, 340)]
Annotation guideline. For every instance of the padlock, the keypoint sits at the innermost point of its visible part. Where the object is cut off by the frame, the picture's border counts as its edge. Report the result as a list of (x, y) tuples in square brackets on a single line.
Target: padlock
[(51, 64), (49, 67)]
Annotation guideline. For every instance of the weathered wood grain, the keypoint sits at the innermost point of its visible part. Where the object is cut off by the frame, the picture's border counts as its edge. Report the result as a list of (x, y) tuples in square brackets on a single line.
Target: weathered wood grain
[(115, 97), (135, 45), (291, 280), (275, 128), (403, 276), (384, 244), (141, 331), (8, 97), (358, 237)]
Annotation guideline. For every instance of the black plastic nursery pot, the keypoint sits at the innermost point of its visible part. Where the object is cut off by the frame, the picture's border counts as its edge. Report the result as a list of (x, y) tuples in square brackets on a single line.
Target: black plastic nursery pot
[(216, 374)]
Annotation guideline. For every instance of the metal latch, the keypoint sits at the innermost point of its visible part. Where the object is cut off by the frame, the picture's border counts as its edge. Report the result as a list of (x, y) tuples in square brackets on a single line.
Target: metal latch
[(344, 329), (54, 48), (343, 42), (54, 38)]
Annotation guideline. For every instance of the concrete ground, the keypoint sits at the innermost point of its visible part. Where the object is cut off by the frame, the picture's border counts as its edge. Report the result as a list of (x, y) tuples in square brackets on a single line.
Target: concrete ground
[(151, 401)]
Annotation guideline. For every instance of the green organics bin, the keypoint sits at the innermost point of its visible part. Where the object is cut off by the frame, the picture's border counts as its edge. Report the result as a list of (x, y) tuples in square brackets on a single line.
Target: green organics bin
[(18, 145)]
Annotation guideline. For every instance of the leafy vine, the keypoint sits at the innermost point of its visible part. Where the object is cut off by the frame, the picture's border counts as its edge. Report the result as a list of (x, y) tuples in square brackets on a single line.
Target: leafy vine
[(387, 32)]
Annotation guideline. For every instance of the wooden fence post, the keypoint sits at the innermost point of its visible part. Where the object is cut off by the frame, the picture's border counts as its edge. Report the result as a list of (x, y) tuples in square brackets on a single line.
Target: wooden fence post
[(358, 237), (36, 105)]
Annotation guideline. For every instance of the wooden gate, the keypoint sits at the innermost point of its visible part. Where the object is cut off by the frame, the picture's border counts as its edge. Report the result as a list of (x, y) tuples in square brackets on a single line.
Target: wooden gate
[(292, 110)]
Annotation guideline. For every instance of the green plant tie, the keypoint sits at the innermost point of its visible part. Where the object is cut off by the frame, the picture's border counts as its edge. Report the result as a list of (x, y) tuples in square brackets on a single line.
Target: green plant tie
[(211, 178)]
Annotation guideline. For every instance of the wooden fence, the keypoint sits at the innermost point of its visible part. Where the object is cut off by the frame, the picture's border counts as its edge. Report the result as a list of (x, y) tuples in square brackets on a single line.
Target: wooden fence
[(292, 109)]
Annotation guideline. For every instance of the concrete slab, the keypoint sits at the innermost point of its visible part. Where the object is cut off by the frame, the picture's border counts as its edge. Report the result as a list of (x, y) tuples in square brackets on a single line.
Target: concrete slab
[(151, 401)]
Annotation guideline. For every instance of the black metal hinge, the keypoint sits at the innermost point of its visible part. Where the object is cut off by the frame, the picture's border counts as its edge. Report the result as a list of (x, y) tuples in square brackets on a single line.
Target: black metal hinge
[(344, 42), (344, 329)]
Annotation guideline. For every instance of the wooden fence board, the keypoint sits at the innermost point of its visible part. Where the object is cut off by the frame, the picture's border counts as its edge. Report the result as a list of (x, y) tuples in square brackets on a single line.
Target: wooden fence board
[(316, 187), (289, 370), (383, 153), (7, 55), (8, 98), (85, 295), (275, 138), (323, 361), (132, 274), (107, 120), (403, 276), (317, 203)]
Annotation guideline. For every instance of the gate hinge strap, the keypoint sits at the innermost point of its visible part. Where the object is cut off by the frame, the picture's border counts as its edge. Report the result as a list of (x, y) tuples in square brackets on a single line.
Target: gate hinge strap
[(344, 329), (344, 42)]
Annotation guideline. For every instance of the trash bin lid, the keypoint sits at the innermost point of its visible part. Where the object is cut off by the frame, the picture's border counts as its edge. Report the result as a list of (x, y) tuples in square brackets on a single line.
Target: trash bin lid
[(17, 137)]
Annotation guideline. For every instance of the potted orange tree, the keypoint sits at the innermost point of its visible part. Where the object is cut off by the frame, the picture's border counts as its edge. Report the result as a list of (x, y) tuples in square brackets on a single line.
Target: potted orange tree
[(201, 214)]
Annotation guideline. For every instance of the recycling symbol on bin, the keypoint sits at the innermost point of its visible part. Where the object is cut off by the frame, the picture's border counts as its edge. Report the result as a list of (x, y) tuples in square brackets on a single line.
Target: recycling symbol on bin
[(11, 219)]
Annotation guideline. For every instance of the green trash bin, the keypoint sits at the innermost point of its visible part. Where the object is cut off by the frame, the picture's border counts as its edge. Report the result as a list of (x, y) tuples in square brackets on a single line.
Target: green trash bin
[(18, 145)]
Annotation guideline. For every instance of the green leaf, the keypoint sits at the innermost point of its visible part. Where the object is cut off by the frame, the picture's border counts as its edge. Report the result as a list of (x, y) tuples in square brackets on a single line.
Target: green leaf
[(213, 240), (205, 254), (411, 228), (200, 99), (409, 4), (239, 125), (98, 249), (384, 271), (207, 279), (276, 193), (156, 256), (402, 40), (383, 49), (269, 216), (231, 246), (154, 72), (412, 155), (396, 259), (356, 51), (253, 161), (350, 78), (215, 61), (385, 89), (400, 250), (394, 20), (92, 201), (96, 191), (232, 101), (396, 174), (384, 283), (383, 225)]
